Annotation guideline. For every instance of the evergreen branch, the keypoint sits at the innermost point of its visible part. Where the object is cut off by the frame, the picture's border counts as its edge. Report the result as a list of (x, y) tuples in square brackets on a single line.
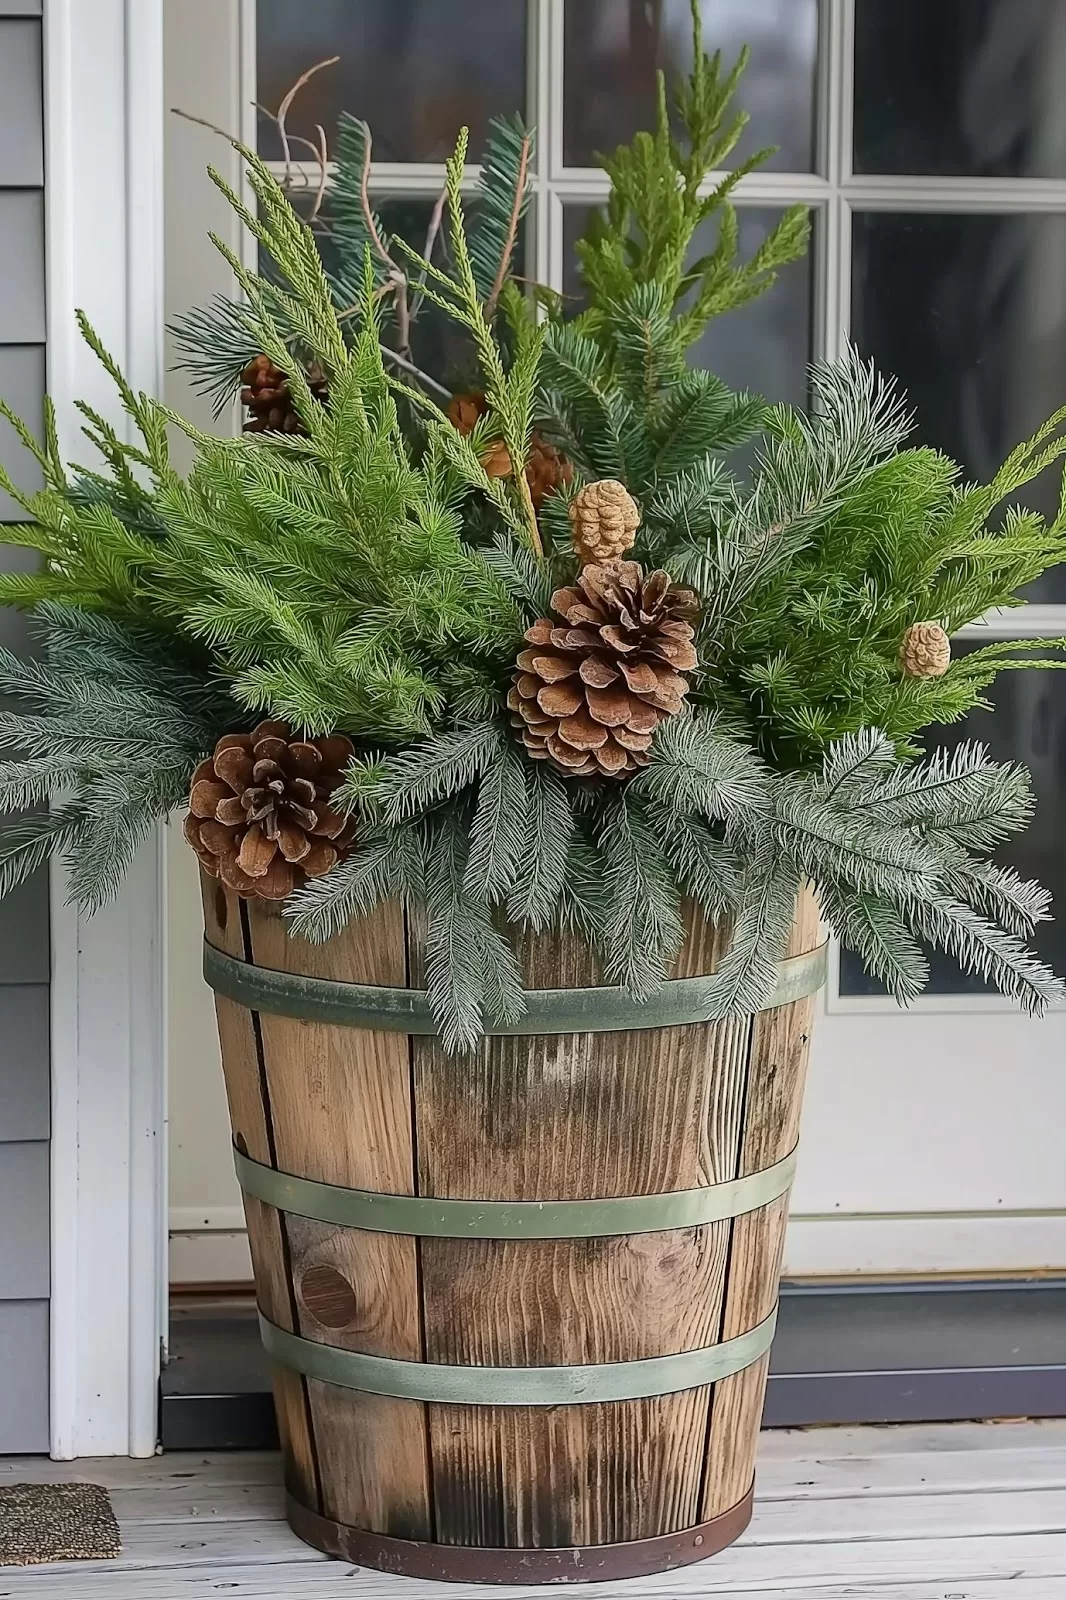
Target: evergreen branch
[(504, 192), (496, 833), (374, 872), (542, 861), (28, 842), (706, 867), (997, 956), (415, 780), (692, 768), (879, 936), (642, 929), (748, 970)]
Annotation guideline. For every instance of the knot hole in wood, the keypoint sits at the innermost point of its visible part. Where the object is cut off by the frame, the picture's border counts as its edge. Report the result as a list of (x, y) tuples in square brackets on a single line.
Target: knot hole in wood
[(329, 1297)]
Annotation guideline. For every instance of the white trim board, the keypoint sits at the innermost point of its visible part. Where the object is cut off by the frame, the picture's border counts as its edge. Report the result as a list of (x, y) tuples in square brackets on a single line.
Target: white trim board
[(209, 1244), (958, 1242), (210, 1256), (103, 71)]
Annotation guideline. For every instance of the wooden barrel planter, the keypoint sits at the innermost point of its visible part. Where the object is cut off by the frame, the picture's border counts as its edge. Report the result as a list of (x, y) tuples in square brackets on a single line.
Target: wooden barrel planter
[(519, 1306)]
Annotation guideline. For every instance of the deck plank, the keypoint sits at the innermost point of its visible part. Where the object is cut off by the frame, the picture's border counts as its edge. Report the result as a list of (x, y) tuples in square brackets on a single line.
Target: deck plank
[(997, 1562), (824, 1444), (843, 1514), (119, 1472), (936, 1472)]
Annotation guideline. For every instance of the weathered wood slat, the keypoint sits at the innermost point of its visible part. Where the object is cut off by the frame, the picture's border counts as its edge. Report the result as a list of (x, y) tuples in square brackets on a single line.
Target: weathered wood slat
[(253, 1132), (780, 1041), (794, 1464), (341, 1102), (962, 1439)]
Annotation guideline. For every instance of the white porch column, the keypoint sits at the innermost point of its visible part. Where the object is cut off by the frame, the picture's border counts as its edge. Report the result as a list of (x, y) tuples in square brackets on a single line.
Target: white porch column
[(104, 198)]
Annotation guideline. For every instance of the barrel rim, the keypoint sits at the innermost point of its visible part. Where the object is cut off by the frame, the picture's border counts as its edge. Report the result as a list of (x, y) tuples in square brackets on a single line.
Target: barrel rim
[(449, 1563), (449, 1384), (390, 1008), (427, 1217)]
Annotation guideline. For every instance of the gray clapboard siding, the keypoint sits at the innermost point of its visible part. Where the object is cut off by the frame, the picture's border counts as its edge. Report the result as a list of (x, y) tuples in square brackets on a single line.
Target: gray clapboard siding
[(24, 1097), (24, 944), (24, 932), (24, 1377), (24, 1208), (22, 383), (22, 260), (22, 148)]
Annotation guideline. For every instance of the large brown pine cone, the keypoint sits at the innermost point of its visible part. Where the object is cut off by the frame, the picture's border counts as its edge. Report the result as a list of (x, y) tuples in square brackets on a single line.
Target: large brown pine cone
[(590, 691), (260, 817), (268, 397)]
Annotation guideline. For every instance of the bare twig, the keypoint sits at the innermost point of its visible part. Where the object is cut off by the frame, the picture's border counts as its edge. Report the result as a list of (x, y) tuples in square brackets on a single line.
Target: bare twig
[(323, 171), (368, 210), (512, 231), (284, 107), (435, 219), (403, 315), (298, 139), (409, 366), (394, 355), (203, 122)]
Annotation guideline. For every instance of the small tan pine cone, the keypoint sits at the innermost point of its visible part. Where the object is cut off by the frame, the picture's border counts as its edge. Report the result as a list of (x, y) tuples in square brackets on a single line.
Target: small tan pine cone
[(604, 518), (925, 651)]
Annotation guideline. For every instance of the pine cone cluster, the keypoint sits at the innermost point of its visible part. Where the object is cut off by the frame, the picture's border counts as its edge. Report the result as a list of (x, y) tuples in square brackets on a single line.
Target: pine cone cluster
[(267, 395), (604, 519), (592, 688), (260, 817), (547, 468), (925, 651)]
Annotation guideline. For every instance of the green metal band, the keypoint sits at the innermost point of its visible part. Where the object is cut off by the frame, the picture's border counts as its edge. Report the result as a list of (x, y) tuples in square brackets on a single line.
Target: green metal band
[(517, 1386), (429, 1218), (396, 1010)]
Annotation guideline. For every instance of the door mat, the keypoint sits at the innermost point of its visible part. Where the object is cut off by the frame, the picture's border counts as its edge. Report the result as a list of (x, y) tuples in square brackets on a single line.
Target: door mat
[(56, 1522)]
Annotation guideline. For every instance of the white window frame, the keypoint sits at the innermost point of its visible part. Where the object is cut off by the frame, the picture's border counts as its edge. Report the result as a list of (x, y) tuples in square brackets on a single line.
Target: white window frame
[(835, 192)]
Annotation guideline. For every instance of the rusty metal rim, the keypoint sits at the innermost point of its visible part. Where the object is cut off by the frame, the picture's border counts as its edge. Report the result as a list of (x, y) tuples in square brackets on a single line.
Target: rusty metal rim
[(450, 1563)]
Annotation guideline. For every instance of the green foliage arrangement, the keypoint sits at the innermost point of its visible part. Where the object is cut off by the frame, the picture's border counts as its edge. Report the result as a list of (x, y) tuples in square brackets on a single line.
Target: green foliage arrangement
[(662, 680)]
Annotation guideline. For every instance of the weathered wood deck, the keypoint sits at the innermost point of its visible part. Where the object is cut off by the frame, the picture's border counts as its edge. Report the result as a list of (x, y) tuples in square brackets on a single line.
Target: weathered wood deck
[(965, 1512)]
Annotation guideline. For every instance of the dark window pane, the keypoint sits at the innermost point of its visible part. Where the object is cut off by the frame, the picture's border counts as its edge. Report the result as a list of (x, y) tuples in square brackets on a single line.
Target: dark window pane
[(613, 48), (960, 88), (1028, 724), (405, 66), (766, 345), (969, 312)]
